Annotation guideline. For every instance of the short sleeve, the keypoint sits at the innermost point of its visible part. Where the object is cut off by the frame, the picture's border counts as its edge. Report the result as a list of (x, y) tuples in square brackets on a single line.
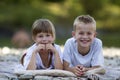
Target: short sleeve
[(26, 61), (98, 58), (66, 53), (28, 56)]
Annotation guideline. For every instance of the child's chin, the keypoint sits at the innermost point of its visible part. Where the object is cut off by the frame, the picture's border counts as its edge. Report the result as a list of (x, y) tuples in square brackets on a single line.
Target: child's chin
[(85, 45)]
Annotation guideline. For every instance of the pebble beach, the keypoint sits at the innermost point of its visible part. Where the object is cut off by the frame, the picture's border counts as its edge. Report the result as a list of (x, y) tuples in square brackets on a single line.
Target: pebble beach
[(111, 55), (10, 57)]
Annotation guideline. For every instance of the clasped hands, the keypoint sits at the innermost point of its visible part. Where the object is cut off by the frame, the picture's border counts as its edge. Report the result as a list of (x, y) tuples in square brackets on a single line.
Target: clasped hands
[(79, 70), (45, 48)]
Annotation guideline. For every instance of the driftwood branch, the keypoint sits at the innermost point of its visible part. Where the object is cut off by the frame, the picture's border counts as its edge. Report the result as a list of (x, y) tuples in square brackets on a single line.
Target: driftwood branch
[(54, 72), (95, 71)]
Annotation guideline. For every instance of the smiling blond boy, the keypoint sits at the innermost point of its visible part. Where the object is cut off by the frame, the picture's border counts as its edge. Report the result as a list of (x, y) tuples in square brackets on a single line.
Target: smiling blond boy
[(83, 51)]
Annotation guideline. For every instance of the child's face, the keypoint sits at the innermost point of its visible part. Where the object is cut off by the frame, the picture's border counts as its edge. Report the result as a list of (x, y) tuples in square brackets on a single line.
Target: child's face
[(44, 38), (84, 34)]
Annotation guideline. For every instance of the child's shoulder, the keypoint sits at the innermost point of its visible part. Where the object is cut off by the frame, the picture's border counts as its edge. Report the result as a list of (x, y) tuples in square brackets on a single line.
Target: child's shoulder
[(97, 41), (72, 39), (56, 45), (32, 47)]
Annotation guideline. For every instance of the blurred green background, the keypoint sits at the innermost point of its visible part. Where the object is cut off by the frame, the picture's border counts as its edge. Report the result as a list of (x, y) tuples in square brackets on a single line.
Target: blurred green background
[(19, 14)]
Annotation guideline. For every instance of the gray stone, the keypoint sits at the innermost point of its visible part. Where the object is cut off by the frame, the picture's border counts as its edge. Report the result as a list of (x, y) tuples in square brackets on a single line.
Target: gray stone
[(43, 78), (25, 77)]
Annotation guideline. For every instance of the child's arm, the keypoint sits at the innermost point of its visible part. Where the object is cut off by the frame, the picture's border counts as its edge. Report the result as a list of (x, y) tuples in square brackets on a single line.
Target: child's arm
[(32, 63), (90, 68), (58, 63)]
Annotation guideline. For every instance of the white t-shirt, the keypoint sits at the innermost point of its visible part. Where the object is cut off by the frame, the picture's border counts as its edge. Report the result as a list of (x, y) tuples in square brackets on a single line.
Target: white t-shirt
[(38, 59), (73, 57)]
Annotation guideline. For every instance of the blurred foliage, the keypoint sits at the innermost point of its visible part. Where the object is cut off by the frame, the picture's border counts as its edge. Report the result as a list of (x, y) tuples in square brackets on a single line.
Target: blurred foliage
[(16, 14), (109, 39), (93, 6)]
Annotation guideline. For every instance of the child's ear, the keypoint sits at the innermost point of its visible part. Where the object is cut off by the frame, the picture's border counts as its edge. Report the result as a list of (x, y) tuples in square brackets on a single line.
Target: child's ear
[(73, 33), (95, 34)]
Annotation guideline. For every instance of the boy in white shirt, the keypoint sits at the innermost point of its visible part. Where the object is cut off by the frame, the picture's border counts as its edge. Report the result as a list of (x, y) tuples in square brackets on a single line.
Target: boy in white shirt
[(44, 53), (83, 51)]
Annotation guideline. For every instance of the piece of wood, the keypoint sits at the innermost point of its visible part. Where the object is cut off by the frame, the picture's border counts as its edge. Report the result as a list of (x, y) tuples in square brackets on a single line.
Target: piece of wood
[(54, 72), (95, 71)]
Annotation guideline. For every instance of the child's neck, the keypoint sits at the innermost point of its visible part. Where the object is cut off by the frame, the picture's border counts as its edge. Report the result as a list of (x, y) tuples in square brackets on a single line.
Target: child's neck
[(83, 51), (44, 57)]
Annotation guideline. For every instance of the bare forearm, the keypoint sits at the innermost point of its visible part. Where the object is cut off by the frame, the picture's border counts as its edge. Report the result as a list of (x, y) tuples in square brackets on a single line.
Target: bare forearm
[(92, 68), (32, 63), (66, 66), (71, 69), (58, 63)]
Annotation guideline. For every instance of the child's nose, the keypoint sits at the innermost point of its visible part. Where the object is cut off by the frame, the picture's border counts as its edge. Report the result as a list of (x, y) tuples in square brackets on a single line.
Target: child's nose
[(85, 36), (45, 40)]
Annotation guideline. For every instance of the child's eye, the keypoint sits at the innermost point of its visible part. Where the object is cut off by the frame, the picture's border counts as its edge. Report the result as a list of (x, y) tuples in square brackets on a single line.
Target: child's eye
[(81, 33), (40, 36), (89, 33), (48, 35)]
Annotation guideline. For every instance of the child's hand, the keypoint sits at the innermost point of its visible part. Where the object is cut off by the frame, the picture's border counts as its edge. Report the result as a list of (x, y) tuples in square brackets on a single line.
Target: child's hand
[(50, 48), (40, 48), (79, 70)]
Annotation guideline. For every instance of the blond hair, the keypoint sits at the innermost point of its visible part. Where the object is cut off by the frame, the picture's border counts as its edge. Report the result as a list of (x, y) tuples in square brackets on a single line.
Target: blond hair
[(43, 25), (84, 19)]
